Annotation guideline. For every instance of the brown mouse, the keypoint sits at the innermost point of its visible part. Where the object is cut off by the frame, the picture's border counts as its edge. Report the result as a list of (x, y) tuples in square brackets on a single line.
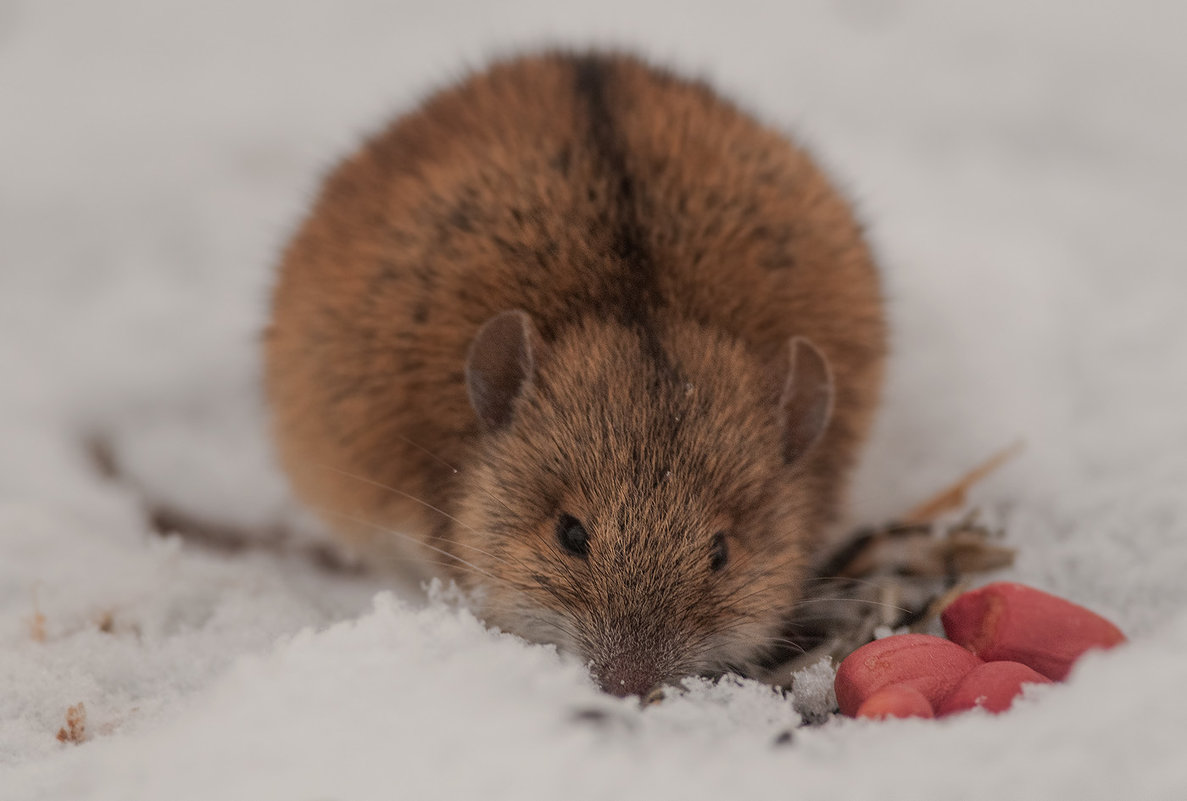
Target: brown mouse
[(587, 338)]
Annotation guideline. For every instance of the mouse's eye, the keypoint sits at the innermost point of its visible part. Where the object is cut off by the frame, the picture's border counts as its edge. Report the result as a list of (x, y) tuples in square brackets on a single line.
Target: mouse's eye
[(572, 536), (719, 554)]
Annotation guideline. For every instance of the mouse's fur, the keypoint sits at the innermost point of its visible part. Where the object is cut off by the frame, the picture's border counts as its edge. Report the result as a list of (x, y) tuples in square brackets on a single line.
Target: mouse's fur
[(577, 279)]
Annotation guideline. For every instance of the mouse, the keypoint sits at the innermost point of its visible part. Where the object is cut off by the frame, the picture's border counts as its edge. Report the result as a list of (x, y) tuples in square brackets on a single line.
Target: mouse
[(588, 338)]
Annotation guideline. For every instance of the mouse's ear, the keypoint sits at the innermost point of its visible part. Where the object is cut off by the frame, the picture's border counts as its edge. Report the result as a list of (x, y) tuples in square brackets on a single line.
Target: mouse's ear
[(501, 361), (807, 402)]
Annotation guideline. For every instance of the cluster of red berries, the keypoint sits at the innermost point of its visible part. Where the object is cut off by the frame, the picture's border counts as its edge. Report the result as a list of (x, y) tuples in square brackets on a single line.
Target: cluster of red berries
[(1000, 638)]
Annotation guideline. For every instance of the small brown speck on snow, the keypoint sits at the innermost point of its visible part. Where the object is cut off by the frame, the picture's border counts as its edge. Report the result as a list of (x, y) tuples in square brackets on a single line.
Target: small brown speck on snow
[(37, 627), (75, 730), (37, 622)]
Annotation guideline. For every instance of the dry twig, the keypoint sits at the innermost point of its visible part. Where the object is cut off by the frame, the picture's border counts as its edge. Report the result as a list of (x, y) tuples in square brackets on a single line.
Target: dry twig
[(898, 575), (955, 495)]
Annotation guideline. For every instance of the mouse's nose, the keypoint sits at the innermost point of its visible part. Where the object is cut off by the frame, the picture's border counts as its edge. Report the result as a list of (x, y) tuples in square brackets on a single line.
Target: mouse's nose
[(625, 678)]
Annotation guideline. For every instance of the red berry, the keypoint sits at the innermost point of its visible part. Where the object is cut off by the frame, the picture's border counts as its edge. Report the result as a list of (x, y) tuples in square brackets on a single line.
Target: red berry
[(1012, 622), (992, 686), (896, 701), (931, 665)]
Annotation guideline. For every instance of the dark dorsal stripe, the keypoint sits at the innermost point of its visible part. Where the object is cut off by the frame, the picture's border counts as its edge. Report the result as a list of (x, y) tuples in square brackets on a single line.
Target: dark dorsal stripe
[(636, 295)]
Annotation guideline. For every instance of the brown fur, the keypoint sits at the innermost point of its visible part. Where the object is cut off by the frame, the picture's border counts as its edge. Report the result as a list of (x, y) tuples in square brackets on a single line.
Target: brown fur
[(666, 248)]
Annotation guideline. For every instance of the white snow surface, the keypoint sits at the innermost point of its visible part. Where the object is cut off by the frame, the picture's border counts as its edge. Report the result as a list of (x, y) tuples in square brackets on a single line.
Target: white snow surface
[(1021, 166)]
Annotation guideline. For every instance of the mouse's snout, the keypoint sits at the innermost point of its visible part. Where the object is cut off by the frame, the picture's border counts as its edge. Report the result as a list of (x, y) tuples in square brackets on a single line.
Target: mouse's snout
[(627, 677), (634, 660)]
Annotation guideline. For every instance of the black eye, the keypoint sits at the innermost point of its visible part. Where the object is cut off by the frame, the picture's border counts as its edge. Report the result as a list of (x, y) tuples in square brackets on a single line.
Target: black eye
[(720, 553), (572, 536)]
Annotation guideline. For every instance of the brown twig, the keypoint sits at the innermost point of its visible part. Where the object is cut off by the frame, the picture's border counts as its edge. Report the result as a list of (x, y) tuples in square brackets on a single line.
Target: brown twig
[(954, 496), (897, 575)]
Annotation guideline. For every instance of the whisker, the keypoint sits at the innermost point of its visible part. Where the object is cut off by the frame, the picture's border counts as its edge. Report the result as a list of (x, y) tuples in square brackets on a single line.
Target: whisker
[(399, 492), (386, 530), (843, 580), (407, 536), (882, 604), (424, 450), (785, 641), (446, 464), (408, 495)]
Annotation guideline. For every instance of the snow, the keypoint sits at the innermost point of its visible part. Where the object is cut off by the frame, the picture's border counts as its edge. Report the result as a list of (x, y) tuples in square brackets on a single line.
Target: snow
[(1021, 166)]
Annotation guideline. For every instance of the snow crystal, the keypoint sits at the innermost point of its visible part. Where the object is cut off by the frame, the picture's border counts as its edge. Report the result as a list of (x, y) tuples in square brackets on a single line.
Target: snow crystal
[(812, 688)]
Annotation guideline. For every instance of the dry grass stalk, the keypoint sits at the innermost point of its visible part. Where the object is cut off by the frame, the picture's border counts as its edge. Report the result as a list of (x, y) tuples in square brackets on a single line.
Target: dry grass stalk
[(898, 575), (954, 496)]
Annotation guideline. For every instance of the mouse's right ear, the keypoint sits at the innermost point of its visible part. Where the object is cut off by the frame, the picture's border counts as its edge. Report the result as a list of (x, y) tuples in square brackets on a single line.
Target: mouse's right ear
[(501, 361), (807, 402)]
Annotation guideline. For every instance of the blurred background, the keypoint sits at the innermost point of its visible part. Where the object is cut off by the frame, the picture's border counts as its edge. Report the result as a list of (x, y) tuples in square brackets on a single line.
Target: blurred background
[(1021, 169), (1020, 166)]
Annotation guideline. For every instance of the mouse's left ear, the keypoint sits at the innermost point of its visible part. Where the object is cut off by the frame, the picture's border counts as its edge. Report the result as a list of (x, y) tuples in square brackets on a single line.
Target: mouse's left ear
[(501, 362), (807, 402)]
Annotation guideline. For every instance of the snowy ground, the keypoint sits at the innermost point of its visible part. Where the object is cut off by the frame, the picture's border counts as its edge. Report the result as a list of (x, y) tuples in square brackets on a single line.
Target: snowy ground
[(1022, 165)]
